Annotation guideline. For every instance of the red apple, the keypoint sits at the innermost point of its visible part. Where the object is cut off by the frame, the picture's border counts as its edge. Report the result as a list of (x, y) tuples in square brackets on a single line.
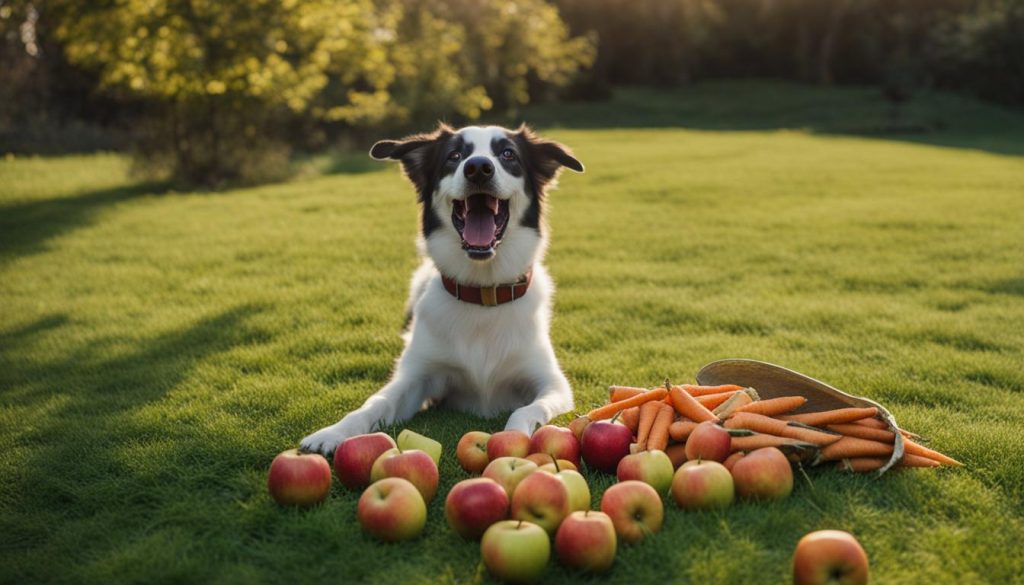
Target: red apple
[(539, 458), (354, 458), (472, 451), (732, 459), (702, 485), (763, 474), (299, 479), (651, 467), (635, 509), (509, 471), (830, 556), (392, 509), (709, 442), (556, 441), (413, 465), (579, 491), (515, 552), (508, 444), (605, 444), (578, 425), (543, 499), (586, 541), (474, 504)]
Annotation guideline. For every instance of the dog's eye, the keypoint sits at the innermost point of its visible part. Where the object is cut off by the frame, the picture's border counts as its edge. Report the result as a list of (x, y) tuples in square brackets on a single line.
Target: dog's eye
[(454, 155), (508, 154)]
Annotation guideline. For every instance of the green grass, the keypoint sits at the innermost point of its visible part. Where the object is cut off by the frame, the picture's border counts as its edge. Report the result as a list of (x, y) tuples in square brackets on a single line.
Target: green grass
[(157, 349)]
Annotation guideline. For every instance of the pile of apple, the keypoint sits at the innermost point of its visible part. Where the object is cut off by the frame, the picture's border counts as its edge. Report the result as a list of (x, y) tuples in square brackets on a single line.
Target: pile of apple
[(530, 493)]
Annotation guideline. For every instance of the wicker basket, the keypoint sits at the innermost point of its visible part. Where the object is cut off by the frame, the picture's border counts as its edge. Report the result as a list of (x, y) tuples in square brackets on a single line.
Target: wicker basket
[(772, 381)]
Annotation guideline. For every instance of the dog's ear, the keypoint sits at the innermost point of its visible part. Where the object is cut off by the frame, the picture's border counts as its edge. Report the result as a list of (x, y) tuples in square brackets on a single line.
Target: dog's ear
[(418, 154), (544, 157)]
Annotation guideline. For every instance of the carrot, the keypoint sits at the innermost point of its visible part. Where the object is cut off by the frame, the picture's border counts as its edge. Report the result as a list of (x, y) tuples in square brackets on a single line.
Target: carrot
[(688, 406), (732, 459), (648, 411), (871, 422), (851, 447), (694, 390), (681, 429), (676, 454), (772, 426), (609, 410), (829, 417), (712, 401), (738, 399), (617, 393), (861, 464), (863, 432), (658, 437), (759, 440), (922, 451), (631, 418), (774, 406)]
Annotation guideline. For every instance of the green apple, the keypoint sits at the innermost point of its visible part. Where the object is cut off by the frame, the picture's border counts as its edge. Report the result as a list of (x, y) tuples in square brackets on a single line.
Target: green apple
[(651, 467), (579, 491), (703, 485), (515, 551), (410, 440), (509, 471)]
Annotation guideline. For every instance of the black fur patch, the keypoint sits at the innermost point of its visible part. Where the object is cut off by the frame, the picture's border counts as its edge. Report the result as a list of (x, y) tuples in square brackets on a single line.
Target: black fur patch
[(540, 160)]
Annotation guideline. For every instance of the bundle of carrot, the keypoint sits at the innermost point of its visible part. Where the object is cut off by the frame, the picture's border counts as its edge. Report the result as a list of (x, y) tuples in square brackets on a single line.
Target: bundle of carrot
[(857, 439)]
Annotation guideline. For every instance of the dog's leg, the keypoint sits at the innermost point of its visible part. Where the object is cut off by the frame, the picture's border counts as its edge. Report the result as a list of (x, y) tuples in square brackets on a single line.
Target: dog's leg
[(397, 401), (553, 399)]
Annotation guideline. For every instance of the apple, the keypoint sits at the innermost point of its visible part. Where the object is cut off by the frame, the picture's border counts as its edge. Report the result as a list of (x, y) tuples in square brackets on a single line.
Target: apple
[(763, 474), (703, 485), (472, 451), (578, 425), (474, 504), (651, 467), (559, 442), (541, 498), (586, 541), (558, 465), (732, 459), (515, 552), (540, 458), (509, 471), (414, 465), (709, 442), (299, 479), (830, 556), (408, 440), (508, 444), (579, 491), (392, 509), (605, 444), (635, 509), (354, 458)]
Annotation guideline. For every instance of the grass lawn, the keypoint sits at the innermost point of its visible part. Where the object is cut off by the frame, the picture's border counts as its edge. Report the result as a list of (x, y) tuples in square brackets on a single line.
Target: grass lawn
[(157, 349)]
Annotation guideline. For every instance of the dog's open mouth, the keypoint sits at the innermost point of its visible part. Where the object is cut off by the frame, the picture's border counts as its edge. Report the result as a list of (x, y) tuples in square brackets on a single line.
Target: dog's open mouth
[(481, 220)]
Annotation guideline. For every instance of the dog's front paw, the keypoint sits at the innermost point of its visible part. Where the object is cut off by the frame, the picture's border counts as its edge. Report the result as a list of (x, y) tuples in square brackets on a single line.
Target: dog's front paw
[(527, 419), (324, 441)]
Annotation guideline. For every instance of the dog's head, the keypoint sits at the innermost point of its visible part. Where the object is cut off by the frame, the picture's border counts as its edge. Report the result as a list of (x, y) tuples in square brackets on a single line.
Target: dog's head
[(482, 190)]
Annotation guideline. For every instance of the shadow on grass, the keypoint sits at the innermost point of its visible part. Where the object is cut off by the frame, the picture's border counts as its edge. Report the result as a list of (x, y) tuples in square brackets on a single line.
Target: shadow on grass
[(26, 227)]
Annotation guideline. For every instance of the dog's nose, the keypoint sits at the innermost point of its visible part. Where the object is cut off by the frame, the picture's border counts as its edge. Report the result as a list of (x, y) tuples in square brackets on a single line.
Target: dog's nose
[(478, 169)]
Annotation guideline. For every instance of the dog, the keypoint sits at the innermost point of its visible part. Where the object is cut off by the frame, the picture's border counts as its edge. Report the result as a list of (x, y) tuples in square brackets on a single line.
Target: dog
[(479, 312)]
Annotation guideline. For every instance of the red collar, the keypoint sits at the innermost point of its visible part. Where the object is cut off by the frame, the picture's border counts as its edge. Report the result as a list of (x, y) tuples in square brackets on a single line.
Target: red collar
[(490, 296)]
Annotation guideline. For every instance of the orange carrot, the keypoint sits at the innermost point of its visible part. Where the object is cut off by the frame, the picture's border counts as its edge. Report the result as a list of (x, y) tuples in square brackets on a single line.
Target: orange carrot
[(676, 454), (922, 451), (688, 406), (871, 422), (862, 464), (648, 411), (610, 410), (681, 429), (694, 390), (713, 401), (617, 393), (774, 406), (831, 417), (631, 418), (851, 447), (863, 432), (732, 459), (658, 437), (738, 399), (759, 440), (772, 426)]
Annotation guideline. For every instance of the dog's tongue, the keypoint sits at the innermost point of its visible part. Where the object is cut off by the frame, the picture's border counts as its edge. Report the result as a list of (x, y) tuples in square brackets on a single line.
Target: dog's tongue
[(480, 227)]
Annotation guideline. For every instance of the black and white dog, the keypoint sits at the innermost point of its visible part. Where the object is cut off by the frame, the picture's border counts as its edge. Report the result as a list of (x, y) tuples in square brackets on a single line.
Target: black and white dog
[(479, 311)]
